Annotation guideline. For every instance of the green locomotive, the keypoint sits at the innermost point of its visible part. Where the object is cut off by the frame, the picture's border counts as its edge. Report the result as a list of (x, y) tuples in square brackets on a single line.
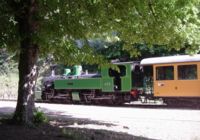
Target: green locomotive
[(165, 78), (108, 86)]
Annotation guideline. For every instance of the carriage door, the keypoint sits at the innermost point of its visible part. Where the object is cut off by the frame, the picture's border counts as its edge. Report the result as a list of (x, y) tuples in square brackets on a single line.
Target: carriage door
[(164, 80)]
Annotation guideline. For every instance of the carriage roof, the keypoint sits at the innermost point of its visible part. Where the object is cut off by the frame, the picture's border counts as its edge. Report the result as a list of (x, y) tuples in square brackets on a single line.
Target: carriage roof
[(171, 59)]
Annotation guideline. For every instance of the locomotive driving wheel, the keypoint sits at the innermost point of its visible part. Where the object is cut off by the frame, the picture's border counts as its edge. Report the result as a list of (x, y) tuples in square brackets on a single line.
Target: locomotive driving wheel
[(47, 95)]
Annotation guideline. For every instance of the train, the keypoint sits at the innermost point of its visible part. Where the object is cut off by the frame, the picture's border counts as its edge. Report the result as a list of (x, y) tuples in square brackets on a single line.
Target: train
[(173, 79)]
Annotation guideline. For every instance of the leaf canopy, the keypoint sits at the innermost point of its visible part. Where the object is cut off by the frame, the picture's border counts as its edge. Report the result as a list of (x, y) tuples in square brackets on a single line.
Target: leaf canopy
[(173, 23)]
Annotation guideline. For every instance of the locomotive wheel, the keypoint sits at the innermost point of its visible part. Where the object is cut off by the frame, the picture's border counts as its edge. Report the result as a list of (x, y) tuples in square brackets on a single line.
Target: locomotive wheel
[(118, 100), (47, 95)]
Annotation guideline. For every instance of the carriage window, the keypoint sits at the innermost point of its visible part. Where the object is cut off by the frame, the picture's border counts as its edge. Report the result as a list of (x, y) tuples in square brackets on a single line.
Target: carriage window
[(165, 73), (187, 72)]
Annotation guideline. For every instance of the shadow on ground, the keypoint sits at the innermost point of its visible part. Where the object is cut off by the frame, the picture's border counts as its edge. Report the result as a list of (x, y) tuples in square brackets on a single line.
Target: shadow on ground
[(56, 129), (6, 112), (49, 132)]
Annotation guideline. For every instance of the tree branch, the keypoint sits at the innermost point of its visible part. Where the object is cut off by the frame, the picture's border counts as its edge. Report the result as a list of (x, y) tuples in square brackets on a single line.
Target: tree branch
[(150, 4)]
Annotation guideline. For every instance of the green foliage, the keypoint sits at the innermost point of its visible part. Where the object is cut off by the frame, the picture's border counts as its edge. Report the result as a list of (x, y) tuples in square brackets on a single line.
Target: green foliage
[(68, 53), (7, 62), (118, 51), (174, 23), (8, 34), (39, 117)]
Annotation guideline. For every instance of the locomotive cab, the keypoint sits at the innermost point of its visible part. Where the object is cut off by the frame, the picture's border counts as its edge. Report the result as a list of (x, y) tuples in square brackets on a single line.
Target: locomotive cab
[(117, 76)]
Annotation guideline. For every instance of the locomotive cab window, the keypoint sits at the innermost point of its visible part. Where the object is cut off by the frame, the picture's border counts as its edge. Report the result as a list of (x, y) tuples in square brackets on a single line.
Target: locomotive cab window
[(165, 73), (187, 72), (117, 76), (122, 71)]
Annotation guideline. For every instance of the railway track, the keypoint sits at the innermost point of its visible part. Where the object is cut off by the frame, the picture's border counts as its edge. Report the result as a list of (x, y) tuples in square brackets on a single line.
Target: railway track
[(132, 105), (135, 104)]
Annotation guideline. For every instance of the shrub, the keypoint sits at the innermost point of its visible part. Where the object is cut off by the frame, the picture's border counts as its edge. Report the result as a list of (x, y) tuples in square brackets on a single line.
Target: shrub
[(39, 117)]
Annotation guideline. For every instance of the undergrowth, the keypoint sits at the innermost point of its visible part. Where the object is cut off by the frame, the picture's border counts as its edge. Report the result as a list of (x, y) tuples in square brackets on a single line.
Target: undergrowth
[(39, 117)]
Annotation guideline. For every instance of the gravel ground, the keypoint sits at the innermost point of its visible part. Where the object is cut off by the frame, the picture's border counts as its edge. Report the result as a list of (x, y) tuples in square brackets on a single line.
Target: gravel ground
[(165, 124)]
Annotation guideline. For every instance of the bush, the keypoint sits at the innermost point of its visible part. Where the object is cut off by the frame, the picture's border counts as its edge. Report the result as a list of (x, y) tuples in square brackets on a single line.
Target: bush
[(39, 117)]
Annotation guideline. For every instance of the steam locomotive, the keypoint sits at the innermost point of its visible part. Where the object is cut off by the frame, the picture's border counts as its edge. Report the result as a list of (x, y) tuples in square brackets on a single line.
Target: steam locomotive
[(174, 79)]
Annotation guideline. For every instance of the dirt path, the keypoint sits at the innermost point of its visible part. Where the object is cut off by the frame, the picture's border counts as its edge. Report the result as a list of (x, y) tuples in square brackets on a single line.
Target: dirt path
[(56, 129)]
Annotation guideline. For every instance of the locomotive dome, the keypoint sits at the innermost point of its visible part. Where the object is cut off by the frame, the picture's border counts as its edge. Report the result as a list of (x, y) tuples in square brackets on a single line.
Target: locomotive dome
[(170, 59)]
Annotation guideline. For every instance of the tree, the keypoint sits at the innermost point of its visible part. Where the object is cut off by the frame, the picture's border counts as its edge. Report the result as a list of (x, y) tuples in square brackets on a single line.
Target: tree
[(51, 26), (115, 51), (7, 63), (173, 23)]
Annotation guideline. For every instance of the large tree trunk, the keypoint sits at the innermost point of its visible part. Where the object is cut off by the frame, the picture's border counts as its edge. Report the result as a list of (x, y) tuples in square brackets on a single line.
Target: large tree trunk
[(27, 79), (26, 14)]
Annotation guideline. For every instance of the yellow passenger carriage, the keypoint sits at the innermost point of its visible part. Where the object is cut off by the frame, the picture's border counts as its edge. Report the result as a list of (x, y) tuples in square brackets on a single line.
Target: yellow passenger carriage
[(175, 77)]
